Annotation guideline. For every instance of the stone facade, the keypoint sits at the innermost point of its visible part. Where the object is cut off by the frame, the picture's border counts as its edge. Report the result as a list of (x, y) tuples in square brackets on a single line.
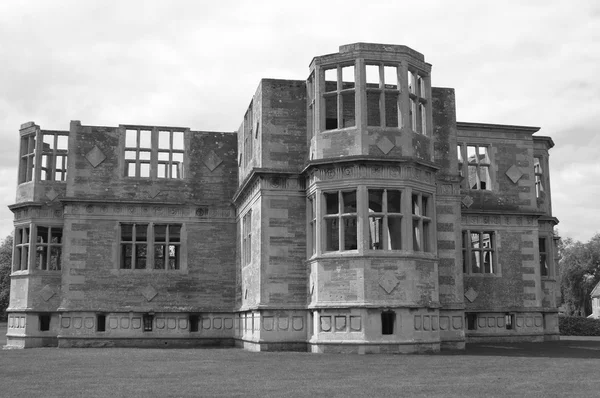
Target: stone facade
[(349, 212)]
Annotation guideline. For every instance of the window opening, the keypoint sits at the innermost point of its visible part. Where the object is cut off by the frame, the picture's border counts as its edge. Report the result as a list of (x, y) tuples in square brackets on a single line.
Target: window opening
[(101, 323), (544, 270), (162, 150), (148, 319), (388, 318), (48, 248), (248, 139), (44, 321), (21, 258), (383, 95), (167, 241), (385, 219), (479, 252), (134, 246), (312, 224), (193, 321), (340, 221), (421, 219), (471, 321), (27, 166), (478, 167), (509, 321), (538, 172), (54, 157), (310, 94), (417, 94), (247, 238), (339, 97)]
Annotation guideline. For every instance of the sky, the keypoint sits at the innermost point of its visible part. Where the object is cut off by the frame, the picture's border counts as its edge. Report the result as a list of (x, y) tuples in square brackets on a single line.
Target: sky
[(197, 64)]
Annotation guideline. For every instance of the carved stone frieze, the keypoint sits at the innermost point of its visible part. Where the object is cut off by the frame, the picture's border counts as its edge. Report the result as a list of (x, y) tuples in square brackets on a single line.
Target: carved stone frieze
[(485, 219), (389, 172), (150, 210)]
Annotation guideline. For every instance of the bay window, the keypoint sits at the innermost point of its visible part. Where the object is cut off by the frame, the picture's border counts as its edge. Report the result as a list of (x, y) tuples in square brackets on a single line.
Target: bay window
[(385, 219), (340, 221)]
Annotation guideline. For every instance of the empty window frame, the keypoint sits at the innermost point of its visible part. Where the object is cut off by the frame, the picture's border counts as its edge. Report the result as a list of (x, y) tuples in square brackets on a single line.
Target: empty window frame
[(385, 219), (134, 244), (383, 95), (310, 95), (48, 248), (339, 221), (421, 222), (54, 156), (339, 96), (312, 225), (388, 319), (417, 95), (21, 256), (479, 252), (44, 322), (167, 246), (154, 153), (27, 164), (247, 238), (474, 165), (539, 175), (543, 253), (248, 136), (150, 246)]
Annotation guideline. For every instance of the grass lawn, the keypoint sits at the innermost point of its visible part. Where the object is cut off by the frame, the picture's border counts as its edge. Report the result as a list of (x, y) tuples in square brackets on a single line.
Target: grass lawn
[(567, 368)]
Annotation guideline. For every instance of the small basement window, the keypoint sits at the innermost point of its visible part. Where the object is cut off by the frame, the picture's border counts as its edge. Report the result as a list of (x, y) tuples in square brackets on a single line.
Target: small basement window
[(148, 319), (388, 318), (101, 323), (44, 323), (509, 321), (471, 321), (193, 320)]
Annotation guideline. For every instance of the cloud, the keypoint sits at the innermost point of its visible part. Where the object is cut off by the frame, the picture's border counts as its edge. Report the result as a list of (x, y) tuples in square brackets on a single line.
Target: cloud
[(197, 64)]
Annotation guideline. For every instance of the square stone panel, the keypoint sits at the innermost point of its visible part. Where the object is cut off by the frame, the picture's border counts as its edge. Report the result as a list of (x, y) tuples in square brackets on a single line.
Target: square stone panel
[(467, 201), (47, 293), (149, 292), (51, 194), (385, 145), (95, 156), (514, 173), (471, 294), (388, 281), (212, 160)]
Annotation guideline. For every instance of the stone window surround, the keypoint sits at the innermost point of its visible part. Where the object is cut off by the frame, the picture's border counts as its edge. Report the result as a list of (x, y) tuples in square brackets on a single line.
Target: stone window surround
[(464, 164), (422, 123), (362, 215), (30, 253), (246, 245), (150, 243), (492, 250), (150, 160)]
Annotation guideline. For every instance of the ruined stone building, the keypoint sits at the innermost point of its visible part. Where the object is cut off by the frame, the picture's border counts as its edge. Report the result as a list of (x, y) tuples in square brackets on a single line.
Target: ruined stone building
[(350, 212)]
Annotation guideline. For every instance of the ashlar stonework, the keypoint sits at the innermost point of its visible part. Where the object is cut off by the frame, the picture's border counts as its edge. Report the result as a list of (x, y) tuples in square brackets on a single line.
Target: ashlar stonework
[(349, 212)]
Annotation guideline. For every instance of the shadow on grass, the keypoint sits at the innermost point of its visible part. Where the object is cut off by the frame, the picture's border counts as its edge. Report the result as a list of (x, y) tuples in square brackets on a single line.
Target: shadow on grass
[(555, 349)]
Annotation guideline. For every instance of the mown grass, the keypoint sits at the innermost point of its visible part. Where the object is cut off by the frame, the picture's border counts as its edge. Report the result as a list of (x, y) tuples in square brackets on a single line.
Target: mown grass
[(548, 369)]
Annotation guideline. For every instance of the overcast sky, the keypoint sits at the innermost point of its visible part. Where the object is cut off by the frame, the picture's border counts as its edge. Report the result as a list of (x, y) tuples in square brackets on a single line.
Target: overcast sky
[(197, 64)]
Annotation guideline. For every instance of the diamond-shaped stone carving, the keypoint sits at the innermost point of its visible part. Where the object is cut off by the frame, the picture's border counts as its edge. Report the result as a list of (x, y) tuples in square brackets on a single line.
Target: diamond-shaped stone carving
[(471, 294), (95, 156), (514, 173), (388, 281), (149, 292), (51, 194), (467, 201), (212, 160), (47, 292), (385, 145), (154, 191)]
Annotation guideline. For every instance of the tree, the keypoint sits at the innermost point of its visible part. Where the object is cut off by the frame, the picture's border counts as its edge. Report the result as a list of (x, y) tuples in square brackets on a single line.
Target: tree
[(580, 272), (5, 267)]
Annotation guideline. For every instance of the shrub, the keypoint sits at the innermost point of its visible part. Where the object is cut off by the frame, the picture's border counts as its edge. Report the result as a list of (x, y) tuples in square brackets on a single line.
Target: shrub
[(578, 326)]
